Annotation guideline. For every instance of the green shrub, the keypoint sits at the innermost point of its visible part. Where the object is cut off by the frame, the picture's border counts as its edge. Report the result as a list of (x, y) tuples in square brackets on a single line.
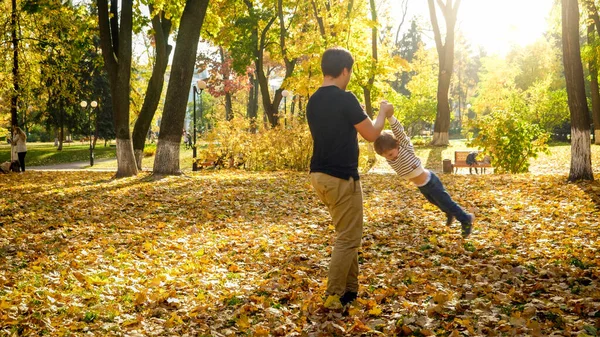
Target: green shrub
[(149, 151), (509, 141)]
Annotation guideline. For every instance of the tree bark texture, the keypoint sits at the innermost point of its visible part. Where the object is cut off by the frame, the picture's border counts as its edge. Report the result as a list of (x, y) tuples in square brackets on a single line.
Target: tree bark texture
[(162, 30), (116, 44), (262, 78), (367, 89), (581, 165), (166, 161), (14, 100), (445, 52), (252, 108), (594, 89)]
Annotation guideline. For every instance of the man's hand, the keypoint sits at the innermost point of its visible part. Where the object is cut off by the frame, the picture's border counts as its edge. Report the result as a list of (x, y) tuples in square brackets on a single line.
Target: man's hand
[(386, 108)]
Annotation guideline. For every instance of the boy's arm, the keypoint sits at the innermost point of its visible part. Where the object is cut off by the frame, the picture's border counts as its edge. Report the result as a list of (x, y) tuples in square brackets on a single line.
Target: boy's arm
[(369, 129), (399, 133)]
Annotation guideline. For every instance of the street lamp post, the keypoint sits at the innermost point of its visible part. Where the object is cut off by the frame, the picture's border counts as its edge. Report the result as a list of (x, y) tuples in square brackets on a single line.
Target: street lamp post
[(197, 90), (93, 105), (285, 95)]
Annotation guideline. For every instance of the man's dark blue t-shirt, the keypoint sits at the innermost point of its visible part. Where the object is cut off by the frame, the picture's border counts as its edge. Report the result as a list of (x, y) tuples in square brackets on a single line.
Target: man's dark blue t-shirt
[(332, 114)]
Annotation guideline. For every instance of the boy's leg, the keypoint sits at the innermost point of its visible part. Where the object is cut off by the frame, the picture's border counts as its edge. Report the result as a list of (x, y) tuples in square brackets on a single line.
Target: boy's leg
[(343, 198), (427, 193), (435, 189)]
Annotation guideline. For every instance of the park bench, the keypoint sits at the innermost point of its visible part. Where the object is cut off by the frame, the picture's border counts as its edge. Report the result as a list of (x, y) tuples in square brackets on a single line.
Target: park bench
[(215, 161), (460, 160), (210, 161)]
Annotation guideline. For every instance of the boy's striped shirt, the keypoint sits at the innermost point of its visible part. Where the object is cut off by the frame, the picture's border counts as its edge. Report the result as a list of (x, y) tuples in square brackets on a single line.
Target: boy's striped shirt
[(407, 165)]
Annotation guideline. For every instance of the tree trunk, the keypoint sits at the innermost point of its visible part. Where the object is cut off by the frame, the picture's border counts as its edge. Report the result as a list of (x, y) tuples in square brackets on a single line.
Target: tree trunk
[(581, 164), (182, 72), (594, 90), (252, 108), (263, 83), (270, 110), (228, 107), (446, 60), (61, 138), (14, 101), (226, 76), (367, 89), (116, 46), (162, 29)]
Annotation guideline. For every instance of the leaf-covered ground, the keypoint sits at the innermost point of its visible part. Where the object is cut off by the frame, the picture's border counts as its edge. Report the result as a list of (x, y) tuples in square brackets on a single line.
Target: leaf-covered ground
[(232, 253)]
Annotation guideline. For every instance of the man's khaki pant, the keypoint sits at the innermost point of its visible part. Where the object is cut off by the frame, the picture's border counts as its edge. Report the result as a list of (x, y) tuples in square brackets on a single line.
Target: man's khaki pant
[(343, 198)]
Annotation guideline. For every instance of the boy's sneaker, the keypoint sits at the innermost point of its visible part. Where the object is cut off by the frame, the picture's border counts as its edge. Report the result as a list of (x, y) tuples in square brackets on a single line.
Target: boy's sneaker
[(466, 227), (449, 220), (348, 297)]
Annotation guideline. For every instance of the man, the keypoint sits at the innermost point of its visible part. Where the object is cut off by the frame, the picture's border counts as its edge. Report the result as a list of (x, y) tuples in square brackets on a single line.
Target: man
[(334, 117)]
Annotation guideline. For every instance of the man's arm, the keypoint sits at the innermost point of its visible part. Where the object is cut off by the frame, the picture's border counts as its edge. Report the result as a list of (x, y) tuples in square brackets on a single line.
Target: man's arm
[(369, 129)]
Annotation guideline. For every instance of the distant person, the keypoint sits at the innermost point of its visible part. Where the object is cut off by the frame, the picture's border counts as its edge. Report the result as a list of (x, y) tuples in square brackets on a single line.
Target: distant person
[(400, 155), (335, 117), (19, 141)]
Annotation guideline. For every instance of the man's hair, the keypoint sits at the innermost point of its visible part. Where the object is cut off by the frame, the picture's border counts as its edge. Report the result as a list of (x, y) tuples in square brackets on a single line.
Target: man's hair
[(385, 142), (334, 61)]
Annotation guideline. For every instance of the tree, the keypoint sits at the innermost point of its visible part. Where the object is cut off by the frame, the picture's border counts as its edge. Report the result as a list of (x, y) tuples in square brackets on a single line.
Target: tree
[(161, 29), (446, 59), (594, 21), (223, 80), (581, 164), (406, 48), (466, 75), (116, 43), (419, 106), (15, 69), (166, 160)]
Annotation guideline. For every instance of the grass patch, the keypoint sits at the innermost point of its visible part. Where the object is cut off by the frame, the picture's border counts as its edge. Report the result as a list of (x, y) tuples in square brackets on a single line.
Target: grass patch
[(39, 154)]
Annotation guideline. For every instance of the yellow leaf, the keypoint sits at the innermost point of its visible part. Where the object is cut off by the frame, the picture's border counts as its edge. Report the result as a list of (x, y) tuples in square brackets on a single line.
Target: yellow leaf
[(175, 319), (243, 322), (260, 331), (359, 326), (4, 305), (375, 311), (333, 302), (141, 297), (441, 297)]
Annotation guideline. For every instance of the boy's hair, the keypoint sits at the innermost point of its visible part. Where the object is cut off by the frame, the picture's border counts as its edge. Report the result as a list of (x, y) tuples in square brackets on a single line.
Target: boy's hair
[(385, 142), (334, 61)]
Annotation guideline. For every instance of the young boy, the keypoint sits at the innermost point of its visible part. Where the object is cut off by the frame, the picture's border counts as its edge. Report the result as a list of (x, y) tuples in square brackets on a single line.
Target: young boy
[(399, 153)]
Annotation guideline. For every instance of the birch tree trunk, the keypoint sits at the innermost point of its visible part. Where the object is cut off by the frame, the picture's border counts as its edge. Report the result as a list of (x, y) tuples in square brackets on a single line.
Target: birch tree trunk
[(581, 164), (116, 44), (166, 161), (162, 30), (445, 52)]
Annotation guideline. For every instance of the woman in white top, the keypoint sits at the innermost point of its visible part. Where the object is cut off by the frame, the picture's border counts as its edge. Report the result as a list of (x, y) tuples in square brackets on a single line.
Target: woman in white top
[(19, 140)]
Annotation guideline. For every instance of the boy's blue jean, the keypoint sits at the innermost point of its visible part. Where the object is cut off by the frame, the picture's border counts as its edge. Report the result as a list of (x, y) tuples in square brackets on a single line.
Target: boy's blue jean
[(435, 192)]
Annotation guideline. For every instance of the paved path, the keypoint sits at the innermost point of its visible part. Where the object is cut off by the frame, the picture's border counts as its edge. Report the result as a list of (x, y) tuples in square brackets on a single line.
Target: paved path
[(76, 166)]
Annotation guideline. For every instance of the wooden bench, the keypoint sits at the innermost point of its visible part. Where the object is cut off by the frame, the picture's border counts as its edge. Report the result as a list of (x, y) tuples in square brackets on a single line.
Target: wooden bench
[(460, 160)]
